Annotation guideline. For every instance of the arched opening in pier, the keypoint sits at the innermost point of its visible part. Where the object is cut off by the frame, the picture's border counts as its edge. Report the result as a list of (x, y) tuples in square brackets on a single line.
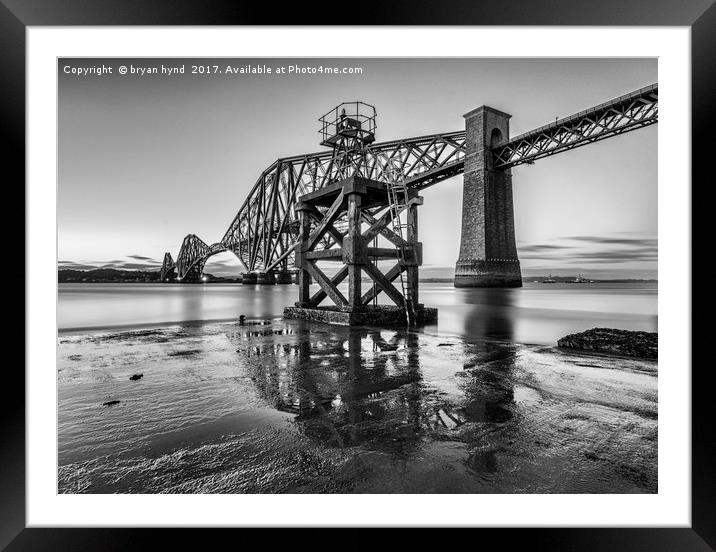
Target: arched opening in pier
[(495, 137)]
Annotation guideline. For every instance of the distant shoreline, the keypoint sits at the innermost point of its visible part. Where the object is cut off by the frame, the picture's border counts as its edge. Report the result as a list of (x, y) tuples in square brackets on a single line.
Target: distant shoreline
[(216, 280), (116, 276)]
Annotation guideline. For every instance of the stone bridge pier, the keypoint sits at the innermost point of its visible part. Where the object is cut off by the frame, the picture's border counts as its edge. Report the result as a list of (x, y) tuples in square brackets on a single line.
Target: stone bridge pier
[(488, 254)]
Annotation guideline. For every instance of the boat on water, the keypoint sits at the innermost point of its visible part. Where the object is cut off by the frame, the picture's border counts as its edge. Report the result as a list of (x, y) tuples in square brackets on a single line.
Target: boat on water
[(549, 280)]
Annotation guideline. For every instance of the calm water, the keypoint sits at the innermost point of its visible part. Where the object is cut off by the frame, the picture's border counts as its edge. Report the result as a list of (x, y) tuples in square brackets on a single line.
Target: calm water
[(536, 313), (481, 403)]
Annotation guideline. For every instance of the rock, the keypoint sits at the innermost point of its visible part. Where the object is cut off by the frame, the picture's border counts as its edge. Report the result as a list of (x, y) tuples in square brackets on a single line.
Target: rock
[(135, 377), (615, 342), (110, 403), (244, 322)]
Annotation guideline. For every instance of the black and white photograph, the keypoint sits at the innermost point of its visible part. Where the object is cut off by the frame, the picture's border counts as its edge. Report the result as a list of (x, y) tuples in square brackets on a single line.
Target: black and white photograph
[(357, 275)]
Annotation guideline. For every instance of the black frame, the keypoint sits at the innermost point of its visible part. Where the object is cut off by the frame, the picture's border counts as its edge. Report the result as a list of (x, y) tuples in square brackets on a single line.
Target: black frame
[(699, 15)]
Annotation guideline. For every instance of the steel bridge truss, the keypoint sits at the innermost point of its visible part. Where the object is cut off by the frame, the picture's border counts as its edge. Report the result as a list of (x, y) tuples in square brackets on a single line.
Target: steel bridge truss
[(193, 255), (168, 267), (264, 232), (617, 116)]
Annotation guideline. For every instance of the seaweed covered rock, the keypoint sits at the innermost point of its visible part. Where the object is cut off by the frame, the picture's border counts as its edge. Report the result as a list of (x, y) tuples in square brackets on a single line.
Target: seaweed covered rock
[(616, 342)]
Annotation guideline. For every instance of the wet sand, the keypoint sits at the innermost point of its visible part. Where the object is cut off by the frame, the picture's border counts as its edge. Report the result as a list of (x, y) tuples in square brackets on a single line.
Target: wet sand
[(293, 407)]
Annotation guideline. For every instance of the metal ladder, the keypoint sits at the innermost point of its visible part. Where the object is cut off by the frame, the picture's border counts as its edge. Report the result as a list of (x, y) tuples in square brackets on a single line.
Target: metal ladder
[(397, 197)]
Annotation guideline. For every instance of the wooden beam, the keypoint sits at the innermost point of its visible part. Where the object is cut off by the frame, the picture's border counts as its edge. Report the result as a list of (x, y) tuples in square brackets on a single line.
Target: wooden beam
[(355, 242), (324, 254), (326, 222), (326, 284), (379, 278), (304, 277), (380, 225), (391, 275), (382, 252), (320, 295), (332, 230), (412, 284)]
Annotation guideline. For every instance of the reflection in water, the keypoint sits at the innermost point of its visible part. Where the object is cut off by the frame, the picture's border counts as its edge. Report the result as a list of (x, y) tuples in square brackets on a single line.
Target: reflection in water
[(346, 386), (491, 316), (191, 307), (488, 385), (359, 386)]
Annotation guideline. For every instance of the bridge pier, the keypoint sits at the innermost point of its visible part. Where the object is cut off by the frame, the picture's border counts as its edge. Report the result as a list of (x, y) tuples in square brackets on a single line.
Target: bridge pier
[(488, 254), (284, 277), (266, 278), (248, 278)]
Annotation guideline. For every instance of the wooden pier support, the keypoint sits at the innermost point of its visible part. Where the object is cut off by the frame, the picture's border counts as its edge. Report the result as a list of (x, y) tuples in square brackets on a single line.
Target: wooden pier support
[(337, 223)]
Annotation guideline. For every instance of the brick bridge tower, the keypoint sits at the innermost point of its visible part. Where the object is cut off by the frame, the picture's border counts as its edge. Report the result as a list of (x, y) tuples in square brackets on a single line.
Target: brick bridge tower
[(488, 254)]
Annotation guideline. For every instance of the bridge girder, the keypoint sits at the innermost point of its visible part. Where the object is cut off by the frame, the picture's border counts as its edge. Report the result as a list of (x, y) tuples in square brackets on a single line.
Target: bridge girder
[(265, 230)]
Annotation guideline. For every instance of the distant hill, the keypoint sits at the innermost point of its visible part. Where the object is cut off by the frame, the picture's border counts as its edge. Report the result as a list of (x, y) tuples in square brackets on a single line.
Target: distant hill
[(570, 279), (107, 275)]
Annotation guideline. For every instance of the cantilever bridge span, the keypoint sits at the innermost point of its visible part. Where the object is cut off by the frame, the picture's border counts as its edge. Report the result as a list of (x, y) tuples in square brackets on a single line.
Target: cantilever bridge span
[(264, 232)]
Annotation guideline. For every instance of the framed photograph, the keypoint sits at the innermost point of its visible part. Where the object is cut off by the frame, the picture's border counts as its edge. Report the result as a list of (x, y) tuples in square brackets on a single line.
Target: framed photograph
[(396, 270)]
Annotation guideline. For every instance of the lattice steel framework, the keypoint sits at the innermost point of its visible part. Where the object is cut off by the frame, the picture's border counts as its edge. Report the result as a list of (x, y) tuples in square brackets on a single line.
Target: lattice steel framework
[(193, 255), (264, 232), (168, 266), (635, 110)]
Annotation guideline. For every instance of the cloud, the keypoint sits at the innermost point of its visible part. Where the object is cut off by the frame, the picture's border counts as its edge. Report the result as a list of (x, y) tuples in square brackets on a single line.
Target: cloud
[(117, 264), (538, 248), (646, 242), (619, 255), (593, 249), (138, 266), (222, 263), (142, 258), (72, 265)]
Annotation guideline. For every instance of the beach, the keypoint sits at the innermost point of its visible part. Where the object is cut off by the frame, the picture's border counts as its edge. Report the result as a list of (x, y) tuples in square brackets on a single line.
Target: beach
[(280, 406)]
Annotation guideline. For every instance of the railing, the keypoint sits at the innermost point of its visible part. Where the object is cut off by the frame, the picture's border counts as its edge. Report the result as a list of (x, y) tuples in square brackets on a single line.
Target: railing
[(355, 117)]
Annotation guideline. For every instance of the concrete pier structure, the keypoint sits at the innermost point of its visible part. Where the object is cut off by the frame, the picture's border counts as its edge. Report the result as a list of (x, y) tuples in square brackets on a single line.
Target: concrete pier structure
[(248, 278), (488, 254), (266, 278), (284, 277)]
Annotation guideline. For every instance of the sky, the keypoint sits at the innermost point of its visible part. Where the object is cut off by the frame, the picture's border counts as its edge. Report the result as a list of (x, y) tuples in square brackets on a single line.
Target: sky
[(144, 160)]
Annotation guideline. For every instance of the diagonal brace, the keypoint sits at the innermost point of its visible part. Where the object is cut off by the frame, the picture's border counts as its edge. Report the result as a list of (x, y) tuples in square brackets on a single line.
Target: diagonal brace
[(384, 283), (325, 283), (327, 221)]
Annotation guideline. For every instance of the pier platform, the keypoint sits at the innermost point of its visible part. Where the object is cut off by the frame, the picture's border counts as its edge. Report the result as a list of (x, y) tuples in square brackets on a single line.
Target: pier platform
[(371, 315)]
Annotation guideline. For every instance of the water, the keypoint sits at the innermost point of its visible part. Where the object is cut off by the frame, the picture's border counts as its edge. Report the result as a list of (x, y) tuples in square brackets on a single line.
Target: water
[(537, 313), (480, 403)]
